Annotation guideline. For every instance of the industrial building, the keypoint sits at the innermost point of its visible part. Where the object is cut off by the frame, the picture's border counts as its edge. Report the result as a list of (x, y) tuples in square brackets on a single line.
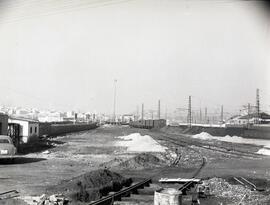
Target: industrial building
[(254, 118)]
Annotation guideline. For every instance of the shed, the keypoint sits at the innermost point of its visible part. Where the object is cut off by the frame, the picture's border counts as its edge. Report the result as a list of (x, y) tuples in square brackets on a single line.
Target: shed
[(28, 127)]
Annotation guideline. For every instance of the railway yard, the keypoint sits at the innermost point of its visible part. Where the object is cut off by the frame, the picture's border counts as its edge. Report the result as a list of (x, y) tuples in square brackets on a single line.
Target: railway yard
[(127, 165)]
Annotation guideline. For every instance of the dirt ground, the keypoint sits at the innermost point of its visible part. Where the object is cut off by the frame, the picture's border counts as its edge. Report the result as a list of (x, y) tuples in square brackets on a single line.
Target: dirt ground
[(78, 153)]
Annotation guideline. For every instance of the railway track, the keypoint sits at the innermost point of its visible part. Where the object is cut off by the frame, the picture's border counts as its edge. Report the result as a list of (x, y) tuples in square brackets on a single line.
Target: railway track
[(220, 149), (107, 200), (9, 194), (246, 183), (110, 199), (186, 186)]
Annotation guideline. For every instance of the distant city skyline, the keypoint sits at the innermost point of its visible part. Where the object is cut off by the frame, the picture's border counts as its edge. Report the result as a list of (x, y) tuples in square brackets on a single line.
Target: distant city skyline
[(52, 57)]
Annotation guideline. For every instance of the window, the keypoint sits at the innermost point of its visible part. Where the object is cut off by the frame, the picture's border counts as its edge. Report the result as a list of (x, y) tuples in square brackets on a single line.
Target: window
[(35, 129), (30, 130)]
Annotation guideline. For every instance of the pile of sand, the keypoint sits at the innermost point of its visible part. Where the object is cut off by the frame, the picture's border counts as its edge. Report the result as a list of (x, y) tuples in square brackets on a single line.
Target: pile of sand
[(90, 186), (140, 161), (138, 143)]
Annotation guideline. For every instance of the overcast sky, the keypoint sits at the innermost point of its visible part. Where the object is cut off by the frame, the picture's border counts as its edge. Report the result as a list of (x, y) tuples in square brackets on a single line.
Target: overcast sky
[(66, 54)]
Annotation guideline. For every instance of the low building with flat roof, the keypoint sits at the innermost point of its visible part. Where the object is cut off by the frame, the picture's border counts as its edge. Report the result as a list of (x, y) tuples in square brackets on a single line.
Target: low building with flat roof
[(28, 127)]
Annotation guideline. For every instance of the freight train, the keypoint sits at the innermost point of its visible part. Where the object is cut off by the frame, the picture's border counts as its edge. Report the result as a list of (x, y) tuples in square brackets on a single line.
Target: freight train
[(148, 124)]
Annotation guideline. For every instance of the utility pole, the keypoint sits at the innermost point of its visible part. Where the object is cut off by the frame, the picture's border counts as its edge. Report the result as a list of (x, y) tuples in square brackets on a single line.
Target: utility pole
[(114, 100), (205, 115), (189, 111), (200, 115), (194, 116), (258, 104), (248, 113), (166, 113), (221, 114), (158, 109), (142, 111)]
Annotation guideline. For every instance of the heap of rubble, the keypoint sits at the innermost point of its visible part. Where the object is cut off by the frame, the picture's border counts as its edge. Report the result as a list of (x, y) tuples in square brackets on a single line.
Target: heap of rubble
[(235, 193), (51, 200)]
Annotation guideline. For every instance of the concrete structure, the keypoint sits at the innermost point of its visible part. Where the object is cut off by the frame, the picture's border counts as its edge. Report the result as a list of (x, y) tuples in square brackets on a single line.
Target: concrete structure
[(169, 196), (28, 127), (3, 124), (70, 114)]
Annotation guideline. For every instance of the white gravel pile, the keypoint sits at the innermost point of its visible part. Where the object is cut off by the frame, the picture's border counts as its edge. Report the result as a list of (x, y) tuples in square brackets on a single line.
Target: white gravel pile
[(140, 143), (203, 136), (264, 151)]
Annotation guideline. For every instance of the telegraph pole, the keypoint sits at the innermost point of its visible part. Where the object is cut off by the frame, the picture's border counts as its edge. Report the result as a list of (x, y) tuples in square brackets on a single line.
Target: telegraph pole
[(166, 113), (248, 113), (137, 114), (158, 109), (189, 111), (142, 110), (258, 104), (114, 100), (205, 115), (200, 115), (194, 116), (221, 114)]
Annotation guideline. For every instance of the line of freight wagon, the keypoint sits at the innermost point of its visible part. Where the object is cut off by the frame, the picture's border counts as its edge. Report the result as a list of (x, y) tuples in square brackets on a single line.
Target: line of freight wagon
[(148, 124)]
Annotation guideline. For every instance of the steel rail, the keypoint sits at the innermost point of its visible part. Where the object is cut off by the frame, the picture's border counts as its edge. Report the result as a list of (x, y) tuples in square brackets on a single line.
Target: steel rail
[(190, 183), (10, 194), (109, 200), (213, 148), (127, 191), (7, 192), (246, 183)]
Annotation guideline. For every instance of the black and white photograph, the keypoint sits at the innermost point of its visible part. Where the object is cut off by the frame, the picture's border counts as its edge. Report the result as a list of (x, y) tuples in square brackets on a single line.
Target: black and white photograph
[(134, 102)]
